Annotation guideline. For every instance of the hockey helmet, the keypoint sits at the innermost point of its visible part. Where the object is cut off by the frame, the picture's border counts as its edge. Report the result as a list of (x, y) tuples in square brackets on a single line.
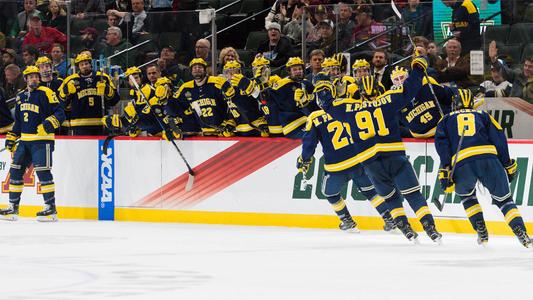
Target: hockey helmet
[(132, 71), (368, 87), (82, 57), (30, 70), (294, 61), (197, 61), (398, 75), (43, 60), (463, 99), (260, 61), (232, 64)]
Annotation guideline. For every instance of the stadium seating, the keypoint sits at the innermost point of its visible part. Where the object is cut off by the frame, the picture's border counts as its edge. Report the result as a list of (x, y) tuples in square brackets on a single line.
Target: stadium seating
[(254, 39), (521, 33)]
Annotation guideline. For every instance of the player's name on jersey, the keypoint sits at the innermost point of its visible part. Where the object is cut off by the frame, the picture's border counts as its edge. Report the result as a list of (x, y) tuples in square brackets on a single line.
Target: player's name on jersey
[(206, 102), (29, 107), (350, 107), (87, 92)]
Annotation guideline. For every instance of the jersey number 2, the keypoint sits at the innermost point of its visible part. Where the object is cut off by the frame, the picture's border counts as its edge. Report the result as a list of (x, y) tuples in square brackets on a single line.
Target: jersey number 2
[(338, 141)]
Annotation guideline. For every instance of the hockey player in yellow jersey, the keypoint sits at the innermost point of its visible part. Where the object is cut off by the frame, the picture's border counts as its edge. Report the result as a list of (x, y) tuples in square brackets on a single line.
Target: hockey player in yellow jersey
[(204, 99), (87, 95), (332, 67)]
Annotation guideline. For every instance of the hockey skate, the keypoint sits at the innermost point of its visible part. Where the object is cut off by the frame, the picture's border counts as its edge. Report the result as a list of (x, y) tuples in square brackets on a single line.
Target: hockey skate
[(432, 232), (522, 236), (48, 214), (482, 233), (10, 213), (348, 224), (389, 226), (408, 232)]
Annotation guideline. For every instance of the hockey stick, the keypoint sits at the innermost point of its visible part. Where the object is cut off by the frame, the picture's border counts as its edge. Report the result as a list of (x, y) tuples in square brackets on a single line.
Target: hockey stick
[(440, 206), (399, 15), (190, 182)]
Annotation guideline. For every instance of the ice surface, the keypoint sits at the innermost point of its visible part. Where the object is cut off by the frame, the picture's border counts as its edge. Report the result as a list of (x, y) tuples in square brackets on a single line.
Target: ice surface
[(121, 260)]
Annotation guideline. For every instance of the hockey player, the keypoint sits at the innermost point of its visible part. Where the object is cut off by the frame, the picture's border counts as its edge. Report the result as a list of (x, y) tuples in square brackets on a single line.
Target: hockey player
[(88, 95), (421, 115), (375, 130), (38, 114), (290, 96), (207, 97), (473, 144), (46, 70), (243, 106), (332, 67), (360, 68), (338, 149)]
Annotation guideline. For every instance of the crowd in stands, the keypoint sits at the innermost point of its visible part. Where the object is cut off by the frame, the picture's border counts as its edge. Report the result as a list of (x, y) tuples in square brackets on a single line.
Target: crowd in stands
[(33, 28)]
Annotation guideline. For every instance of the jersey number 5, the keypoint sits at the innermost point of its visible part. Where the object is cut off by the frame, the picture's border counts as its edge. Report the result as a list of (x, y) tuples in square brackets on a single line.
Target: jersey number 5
[(365, 122), (466, 121)]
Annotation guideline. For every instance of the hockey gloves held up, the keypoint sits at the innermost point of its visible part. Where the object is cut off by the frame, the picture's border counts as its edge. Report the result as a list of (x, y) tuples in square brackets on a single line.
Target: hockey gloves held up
[(511, 168), (303, 165), (446, 182)]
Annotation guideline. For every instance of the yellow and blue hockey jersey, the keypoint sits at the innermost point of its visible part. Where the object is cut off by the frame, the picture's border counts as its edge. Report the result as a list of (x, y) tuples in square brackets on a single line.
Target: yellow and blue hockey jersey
[(334, 136), (290, 116), (421, 115), (375, 125), (483, 137), (81, 98), (33, 109)]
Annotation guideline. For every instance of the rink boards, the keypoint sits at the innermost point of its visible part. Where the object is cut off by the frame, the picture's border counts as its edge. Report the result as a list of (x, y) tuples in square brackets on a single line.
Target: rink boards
[(238, 181)]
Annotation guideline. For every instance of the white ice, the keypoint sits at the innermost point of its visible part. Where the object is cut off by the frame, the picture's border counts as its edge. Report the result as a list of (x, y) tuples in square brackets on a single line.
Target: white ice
[(122, 260)]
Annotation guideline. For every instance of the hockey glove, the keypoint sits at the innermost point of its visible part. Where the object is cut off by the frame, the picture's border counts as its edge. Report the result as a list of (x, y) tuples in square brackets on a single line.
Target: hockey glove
[(11, 141), (228, 128), (419, 62), (301, 98), (172, 134), (511, 169), (112, 121), (446, 183), (72, 87), (100, 88), (133, 131), (303, 165)]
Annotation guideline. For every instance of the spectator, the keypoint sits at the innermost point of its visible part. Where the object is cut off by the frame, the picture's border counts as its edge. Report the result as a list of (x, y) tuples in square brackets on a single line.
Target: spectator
[(282, 12), (202, 49), (433, 51), (84, 7), (14, 81), (9, 56), (345, 26), (56, 16), (315, 58), (327, 42), (293, 29), (522, 80), (420, 16), (89, 38), (170, 68), (277, 48), (227, 54), (319, 16), (153, 73), (454, 69), (497, 86), (139, 16), (43, 37), (114, 44), (380, 68), (465, 24), (29, 55), (20, 27), (366, 28), (58, 60)]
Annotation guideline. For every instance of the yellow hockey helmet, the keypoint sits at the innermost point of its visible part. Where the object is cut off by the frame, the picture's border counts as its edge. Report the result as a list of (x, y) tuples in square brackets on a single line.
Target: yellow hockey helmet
[(131, 71), (232, 64), (30, 70), (197, 61), (82, 57), (330, 62), (260, 61), (463, 99), (294, 61), (162, 87), (360, 63), (368, 87), (43, 60), (162, 81)]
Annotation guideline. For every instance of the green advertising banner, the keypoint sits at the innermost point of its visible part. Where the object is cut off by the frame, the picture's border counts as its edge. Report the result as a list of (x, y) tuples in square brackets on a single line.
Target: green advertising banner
[(442, 16)]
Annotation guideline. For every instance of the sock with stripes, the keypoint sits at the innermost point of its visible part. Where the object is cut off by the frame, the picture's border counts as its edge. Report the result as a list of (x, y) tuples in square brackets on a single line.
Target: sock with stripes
[(511, 213), (339, 206), (420, 207), (473, 210)]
